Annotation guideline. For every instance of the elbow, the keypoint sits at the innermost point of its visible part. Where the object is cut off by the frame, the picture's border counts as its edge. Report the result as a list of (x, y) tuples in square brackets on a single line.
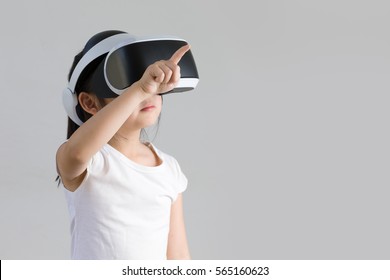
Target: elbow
[(75, 154)]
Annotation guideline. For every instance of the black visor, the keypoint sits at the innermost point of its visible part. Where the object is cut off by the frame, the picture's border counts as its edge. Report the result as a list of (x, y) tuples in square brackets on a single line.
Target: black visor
[(126, 64)]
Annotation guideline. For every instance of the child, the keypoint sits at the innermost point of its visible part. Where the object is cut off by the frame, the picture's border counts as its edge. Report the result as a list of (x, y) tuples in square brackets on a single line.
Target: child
[(124, 196)]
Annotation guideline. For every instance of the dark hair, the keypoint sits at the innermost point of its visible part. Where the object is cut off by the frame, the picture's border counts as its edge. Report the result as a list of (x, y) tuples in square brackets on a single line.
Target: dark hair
[(84, 82)]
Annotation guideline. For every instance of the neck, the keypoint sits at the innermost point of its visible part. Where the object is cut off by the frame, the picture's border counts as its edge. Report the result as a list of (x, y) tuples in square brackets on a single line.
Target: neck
[(131, 146), (128, 143)]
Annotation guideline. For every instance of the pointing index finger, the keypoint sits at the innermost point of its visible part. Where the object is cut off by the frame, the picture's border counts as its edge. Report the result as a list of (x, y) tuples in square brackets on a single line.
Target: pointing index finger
[(180, 53)]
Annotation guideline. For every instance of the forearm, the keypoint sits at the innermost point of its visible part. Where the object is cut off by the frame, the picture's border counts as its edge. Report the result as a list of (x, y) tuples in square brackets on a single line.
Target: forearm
[(183, 254), (100, 128)]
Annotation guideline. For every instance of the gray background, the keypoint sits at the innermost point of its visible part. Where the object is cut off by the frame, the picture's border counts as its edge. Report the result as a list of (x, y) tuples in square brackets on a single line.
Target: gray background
[(285, 141)]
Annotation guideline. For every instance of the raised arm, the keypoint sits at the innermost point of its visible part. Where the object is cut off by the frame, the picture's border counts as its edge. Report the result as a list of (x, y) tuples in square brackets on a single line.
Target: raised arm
[(73, 156)]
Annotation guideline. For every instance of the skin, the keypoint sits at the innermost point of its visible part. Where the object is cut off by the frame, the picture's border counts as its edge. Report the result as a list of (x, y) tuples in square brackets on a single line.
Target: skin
[(119, 123)]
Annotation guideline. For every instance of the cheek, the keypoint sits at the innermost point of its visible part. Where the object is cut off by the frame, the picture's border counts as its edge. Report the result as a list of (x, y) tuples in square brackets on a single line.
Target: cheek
[(159, 100), (158, 103)]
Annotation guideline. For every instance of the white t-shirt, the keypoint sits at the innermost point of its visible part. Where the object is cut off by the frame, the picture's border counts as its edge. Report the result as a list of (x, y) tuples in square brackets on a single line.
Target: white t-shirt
[(121, 210)]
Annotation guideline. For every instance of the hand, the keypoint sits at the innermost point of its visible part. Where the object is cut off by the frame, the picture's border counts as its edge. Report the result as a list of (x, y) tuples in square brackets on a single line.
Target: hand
[(162, 76)]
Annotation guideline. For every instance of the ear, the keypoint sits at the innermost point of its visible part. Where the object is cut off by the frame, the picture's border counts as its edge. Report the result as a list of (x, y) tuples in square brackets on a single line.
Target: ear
[(89, 102)]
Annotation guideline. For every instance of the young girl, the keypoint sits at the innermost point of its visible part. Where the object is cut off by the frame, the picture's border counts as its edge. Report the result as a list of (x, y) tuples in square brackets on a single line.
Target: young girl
[(124, 196)]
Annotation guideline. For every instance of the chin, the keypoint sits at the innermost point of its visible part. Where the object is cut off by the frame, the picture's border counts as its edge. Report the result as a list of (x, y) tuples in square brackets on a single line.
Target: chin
[(150, 121)]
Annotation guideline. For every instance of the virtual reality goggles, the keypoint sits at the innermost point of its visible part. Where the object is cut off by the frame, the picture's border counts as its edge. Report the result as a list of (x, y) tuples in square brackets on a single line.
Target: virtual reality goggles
[(124, 59)]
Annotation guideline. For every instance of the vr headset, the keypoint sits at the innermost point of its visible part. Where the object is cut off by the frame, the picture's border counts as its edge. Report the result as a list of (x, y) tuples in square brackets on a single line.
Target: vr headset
[(124, 59)]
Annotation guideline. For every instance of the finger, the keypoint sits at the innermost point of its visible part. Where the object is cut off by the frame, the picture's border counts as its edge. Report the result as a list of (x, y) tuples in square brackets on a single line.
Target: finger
[(157, 73), (180, 53), (176, 75), (173, 66), (167, 73)]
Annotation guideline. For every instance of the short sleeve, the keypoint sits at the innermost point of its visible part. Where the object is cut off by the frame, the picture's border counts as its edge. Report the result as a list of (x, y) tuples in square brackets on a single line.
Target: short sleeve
[(96, 165), (181, 179)]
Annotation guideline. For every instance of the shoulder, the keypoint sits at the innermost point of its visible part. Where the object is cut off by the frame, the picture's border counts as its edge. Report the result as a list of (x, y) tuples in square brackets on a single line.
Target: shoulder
[(180, 180), (96, 165), (167, 158)]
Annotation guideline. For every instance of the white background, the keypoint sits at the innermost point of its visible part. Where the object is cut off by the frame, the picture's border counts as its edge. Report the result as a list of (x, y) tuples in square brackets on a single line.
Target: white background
[(285, 141)]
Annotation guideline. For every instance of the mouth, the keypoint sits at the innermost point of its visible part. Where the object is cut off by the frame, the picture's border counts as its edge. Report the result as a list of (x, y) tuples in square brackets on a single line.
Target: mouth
[(148, 108)]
